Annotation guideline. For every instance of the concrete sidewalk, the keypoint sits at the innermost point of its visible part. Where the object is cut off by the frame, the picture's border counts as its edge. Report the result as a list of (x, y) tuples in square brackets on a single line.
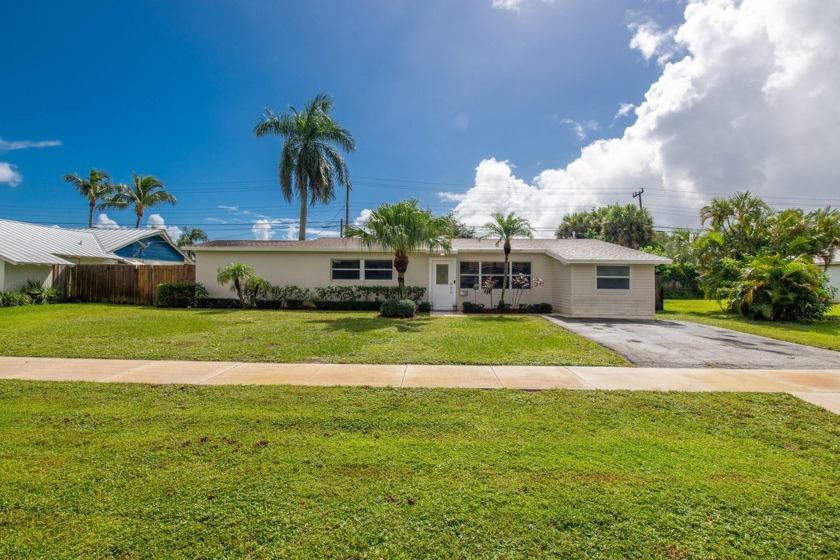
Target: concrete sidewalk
[(820, 387)]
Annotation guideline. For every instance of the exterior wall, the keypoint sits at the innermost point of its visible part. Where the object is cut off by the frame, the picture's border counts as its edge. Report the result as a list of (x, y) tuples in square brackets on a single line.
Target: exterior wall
[(541, 267), (14, 276), (561, 288), (834, 278), (303, 269), (635, 303)]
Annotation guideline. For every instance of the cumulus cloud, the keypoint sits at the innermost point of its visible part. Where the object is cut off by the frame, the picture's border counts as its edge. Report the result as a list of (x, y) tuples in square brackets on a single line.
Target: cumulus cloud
[(263, 230), (9, 174), (156, 221), (751, 104), (652, 41), (104, 222)]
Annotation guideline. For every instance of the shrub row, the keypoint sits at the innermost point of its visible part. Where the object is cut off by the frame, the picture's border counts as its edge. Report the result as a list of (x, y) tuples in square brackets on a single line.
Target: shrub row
[(470, 307), (368, 293), (400, 308), (31, 293), (184, 294)]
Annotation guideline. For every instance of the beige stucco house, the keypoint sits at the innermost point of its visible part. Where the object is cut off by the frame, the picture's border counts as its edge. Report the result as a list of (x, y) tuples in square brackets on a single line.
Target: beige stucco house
[(581, 277)]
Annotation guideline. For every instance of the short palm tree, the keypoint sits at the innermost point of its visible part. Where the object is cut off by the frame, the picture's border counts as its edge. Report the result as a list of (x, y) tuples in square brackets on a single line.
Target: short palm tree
[(238, 275), (310, 162), (190, 236), (403, 228), (144, 192), (506, 228), (96, 187)]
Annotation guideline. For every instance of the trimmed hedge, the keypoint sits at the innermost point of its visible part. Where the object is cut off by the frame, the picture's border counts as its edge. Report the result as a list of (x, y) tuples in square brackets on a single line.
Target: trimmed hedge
[(424, 307), (183, 294), (218, 303), (367, 293), (535, 308), (399, 308), (329, 305), (470, 307)]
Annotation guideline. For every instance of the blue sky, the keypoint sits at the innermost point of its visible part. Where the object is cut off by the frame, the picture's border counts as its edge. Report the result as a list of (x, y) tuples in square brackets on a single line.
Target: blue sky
[(499, 104)]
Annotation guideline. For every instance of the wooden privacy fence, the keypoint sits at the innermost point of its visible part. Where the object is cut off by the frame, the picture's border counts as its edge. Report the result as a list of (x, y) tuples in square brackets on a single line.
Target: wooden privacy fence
[(118, 283)]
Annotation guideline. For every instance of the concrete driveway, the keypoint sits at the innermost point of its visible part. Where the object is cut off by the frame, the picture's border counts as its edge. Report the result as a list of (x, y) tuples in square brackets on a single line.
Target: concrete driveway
[(680, 344)]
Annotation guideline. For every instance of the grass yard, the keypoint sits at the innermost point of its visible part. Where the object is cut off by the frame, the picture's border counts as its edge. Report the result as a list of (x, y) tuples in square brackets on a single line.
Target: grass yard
[(133, 471), (117, 331), (825, 334)]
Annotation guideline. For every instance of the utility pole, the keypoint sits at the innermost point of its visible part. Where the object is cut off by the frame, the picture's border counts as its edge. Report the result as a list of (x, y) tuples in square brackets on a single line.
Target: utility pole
[(347, 206), (639, 195)]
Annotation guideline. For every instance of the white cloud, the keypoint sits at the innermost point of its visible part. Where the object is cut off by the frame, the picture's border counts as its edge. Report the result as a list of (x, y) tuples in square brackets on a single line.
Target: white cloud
[(156, 221), (624, 110), (263, 230), (512, 5), (751, 104), (362, 218), (652, 41), (7, 145), (9, 174), (581, 128), (104, 222)]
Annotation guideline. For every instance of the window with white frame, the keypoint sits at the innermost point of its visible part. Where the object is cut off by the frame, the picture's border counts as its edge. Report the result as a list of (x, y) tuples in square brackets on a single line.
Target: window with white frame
[(473, 274), (613, 277), (361, 269)]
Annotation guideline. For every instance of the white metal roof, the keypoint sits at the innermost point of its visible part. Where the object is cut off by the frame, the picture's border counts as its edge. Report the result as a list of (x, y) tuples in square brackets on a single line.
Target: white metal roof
[(22, 243)]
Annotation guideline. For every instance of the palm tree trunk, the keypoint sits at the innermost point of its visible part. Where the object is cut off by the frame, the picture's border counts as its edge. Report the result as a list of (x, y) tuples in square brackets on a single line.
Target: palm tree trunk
[(401, 264), (139, 217), (303, 209), (505, 279), (239, 292), (90, 215)]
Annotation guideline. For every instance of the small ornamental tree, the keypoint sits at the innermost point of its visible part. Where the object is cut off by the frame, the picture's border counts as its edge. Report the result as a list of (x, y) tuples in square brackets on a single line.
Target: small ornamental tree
[(238, 275), (776, 288)]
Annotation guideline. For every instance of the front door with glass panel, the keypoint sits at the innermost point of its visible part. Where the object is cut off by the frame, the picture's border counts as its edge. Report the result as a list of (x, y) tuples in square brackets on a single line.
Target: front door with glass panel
[(442, 284)]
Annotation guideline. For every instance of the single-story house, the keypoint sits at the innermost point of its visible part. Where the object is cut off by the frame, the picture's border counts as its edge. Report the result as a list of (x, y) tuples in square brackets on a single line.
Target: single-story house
[(581, 277), (33, 252), (832, 271)]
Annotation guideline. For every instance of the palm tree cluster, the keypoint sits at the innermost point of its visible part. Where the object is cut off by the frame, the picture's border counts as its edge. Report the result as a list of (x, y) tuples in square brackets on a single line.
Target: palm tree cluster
[(311, 164), (626, 225), (144, 192)]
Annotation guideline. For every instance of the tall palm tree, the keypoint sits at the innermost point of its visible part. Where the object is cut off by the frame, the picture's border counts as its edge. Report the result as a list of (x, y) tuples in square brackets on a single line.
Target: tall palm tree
[(403, 228), (310, 162), (506, 228), (144, 192), (237, 274), (97, 186)]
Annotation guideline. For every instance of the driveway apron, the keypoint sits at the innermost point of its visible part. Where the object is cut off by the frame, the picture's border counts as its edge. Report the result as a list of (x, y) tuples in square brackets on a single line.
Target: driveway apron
[(680, 344)]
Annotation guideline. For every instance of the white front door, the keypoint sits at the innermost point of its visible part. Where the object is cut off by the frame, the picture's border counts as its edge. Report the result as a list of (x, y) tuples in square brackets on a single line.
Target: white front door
[(442, 284)]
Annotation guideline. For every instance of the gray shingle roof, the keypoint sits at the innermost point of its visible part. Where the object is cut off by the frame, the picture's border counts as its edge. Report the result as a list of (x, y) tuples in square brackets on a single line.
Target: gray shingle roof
[(564, 250)]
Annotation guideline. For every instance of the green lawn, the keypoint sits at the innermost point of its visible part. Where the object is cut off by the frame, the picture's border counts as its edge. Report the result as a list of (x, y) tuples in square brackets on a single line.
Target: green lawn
[(134, 471), (113, 331), (824, 334)]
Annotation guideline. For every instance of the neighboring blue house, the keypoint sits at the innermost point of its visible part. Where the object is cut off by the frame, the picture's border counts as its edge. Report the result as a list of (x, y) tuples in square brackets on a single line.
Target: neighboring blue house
[(141, 246)]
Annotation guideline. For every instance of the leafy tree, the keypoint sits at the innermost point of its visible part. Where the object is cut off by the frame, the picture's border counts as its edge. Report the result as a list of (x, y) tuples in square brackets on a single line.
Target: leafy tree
[(458, 229), (190, 236), (777, 288), (96, 187), (825, 225), (403, 228), (506, 228), (310, 162), (238, 275), (626, 225), (144, 192), (582, 225), (741, 220)]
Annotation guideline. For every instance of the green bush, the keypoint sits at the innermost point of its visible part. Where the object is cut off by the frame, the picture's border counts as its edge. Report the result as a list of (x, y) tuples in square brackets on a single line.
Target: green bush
[(424, 307), (218, 303), (330, 305), (39, 294), (367, 293), (401, 308), (535, 308), (14, 298), (182, 294), (470, 307), (776, 288), (289, 296)]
